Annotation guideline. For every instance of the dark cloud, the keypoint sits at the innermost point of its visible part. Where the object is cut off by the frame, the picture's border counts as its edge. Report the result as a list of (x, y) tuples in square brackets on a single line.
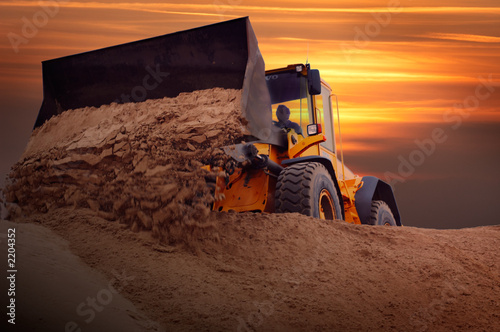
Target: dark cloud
[(455, 186), (16, 122)]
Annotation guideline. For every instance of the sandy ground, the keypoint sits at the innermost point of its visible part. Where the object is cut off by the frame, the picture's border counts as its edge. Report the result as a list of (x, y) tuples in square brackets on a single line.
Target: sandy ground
[(261, 272)]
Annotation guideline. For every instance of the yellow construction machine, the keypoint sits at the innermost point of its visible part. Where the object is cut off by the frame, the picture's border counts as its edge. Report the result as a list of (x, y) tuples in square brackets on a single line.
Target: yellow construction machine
[(300, 171), (286, 164)]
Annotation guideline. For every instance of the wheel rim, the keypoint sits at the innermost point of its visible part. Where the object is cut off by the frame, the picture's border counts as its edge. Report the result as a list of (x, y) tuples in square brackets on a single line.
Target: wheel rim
[(387, 222), (326, 209)]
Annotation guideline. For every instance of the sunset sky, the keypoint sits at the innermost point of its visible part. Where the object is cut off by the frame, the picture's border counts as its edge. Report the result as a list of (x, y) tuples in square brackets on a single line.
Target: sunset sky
[(407, 73)]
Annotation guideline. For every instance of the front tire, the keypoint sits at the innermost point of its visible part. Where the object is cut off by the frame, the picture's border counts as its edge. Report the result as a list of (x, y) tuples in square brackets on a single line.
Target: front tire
[(307, 188), (381, 214)]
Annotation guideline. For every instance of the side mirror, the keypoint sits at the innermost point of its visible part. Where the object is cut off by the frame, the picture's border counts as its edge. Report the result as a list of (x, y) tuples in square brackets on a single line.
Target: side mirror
[(314, 82)]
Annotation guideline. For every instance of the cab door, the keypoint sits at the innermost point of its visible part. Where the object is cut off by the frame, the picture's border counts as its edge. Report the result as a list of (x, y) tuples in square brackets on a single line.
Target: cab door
[(324, 116)]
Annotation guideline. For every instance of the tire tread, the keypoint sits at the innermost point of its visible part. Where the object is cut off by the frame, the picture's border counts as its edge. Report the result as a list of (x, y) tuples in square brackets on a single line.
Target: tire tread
[(376, 207), (293, 192)]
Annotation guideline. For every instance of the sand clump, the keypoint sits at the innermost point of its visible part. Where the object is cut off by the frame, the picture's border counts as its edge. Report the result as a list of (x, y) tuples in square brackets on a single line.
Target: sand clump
[(139, 163)]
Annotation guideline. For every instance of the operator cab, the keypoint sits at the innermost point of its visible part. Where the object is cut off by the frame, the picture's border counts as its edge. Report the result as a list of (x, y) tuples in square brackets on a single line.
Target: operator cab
[(307, 97)]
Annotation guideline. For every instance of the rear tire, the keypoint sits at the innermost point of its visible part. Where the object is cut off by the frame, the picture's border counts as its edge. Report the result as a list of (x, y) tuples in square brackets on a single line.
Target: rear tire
[(307, 188), (381, 214)]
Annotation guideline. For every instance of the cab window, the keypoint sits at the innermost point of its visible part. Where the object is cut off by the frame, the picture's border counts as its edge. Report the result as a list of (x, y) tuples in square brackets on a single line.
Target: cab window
[(324, 116), (290, 89)]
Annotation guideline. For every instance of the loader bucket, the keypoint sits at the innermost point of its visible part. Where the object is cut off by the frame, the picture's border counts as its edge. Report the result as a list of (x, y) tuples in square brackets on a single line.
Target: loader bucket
[(224, 55)]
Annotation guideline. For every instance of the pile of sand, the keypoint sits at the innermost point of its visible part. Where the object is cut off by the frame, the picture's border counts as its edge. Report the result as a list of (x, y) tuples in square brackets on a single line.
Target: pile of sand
[(136, 162), (288, 272)]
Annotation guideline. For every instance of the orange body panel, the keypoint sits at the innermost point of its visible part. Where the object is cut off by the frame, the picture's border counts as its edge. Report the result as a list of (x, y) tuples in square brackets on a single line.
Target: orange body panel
[(245, 191)]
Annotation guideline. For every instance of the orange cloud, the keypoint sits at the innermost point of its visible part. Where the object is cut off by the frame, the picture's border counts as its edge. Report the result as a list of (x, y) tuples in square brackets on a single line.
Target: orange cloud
[(465, 37)]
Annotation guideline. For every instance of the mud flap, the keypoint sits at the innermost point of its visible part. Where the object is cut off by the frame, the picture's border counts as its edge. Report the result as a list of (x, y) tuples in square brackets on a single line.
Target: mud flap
[(375, 189)]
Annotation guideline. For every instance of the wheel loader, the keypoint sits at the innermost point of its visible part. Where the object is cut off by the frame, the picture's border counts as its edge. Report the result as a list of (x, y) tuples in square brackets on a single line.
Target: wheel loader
[(281, 167)]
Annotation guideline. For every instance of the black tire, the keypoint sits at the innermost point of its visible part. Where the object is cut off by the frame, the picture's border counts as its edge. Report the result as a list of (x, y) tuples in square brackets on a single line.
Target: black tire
[(381, 214), (307, 188)]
